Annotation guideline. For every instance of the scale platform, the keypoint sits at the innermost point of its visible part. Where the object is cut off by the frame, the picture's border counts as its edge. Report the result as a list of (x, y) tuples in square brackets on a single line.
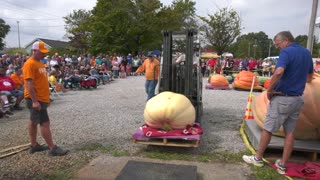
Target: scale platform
[(253, 133)]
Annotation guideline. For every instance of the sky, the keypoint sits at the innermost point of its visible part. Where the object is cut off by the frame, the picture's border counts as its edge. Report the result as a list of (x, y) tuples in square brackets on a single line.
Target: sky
[(44, 18)]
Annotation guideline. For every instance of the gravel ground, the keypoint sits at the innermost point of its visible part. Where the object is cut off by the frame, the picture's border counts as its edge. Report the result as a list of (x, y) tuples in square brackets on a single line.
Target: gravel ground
[(110, 115)]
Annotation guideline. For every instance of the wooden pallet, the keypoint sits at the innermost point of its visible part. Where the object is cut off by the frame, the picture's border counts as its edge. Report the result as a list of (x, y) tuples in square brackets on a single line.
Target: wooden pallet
[(209, 86), (174, 141), (310, 147)]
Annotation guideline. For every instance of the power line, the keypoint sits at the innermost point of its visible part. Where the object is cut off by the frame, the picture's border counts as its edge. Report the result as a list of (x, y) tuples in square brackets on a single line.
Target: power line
[(56, 19), (30, 9), (43, 26)]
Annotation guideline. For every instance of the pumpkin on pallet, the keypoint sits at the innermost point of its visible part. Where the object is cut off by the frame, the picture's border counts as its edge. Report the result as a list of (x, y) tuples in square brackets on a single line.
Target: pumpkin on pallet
[(244, 79), (168, 111), (217, 81), (308, 125)]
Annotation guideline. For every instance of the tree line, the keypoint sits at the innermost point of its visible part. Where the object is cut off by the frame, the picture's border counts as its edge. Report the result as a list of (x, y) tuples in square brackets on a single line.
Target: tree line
[(134, 26)]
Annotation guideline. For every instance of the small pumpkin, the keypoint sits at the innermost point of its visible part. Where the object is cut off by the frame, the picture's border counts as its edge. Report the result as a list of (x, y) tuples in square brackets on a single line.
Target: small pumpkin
[(308, 125), (218, 80), (267, 83), (169, 110), (244, 81)]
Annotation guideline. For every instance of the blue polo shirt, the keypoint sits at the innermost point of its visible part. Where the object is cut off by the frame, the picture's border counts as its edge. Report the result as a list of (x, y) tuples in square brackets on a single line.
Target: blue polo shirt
[(297, 63)]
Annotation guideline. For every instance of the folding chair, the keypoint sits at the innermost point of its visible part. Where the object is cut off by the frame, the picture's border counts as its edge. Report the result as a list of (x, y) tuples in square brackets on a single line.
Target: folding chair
[(55, 89)]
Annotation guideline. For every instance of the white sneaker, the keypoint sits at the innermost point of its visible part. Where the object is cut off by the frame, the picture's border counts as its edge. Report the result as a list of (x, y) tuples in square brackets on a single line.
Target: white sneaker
[(252, 160), (280, 168)]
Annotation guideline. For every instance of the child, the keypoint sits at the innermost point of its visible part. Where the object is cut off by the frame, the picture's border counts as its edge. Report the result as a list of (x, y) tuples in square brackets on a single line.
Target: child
[(123, 73)]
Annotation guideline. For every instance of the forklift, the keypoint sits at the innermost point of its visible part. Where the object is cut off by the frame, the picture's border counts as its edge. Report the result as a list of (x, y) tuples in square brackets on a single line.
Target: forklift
[(182, 77)]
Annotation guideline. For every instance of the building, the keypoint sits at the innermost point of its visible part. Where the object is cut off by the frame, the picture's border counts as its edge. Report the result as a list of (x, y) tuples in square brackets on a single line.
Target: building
[(51, 43)]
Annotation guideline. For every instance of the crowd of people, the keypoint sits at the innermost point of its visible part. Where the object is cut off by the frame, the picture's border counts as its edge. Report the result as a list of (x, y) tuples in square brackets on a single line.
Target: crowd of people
[(229, 65), (64, 73)]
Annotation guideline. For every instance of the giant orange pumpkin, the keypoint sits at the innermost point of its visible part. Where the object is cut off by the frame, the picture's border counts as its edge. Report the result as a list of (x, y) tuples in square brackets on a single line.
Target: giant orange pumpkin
[(244, 80), (168, 111), (308, 126), (218, 80)]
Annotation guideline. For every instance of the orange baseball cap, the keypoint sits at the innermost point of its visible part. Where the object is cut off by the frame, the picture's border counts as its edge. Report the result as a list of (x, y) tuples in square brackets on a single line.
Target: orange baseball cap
[(41, 46)]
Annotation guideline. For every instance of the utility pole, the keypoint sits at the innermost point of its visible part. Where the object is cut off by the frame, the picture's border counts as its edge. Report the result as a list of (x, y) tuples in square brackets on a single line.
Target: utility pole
[(311, 25), (18, 34)]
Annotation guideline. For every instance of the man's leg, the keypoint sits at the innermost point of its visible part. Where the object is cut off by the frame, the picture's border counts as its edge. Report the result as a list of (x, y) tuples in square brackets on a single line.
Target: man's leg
[(46, 133), (264, 141), (33, 133), (153, 87), (287, 149), (147, 86)]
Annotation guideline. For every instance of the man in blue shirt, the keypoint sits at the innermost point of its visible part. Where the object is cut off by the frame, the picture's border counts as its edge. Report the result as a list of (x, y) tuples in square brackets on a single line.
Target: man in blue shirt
[(293, 70)]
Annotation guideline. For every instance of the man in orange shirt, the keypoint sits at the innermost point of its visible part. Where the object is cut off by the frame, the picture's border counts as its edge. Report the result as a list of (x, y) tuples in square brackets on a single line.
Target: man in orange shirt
[(151, 66), (17, 78), (37, 98)]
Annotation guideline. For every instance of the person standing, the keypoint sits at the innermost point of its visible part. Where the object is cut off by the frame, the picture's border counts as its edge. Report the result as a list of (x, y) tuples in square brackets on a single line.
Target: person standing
[(293, 70), (151, 67), (37, 100)]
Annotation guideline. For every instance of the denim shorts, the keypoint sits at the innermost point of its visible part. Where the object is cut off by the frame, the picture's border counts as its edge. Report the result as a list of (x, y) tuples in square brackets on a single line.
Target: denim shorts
[(36, 116), (283, 111)]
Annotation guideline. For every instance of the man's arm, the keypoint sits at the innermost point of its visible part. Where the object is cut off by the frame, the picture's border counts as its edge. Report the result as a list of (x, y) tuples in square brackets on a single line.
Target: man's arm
[(30, 87), (274, 81), (309, 78)]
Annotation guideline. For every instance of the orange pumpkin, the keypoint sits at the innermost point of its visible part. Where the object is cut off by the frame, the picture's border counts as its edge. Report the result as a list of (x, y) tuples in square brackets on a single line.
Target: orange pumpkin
[(218, 80), (58, 87), (244, 81), (267, 83), (308, 126)]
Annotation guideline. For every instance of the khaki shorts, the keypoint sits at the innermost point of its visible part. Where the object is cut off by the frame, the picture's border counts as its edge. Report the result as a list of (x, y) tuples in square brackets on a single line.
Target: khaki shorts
[(38, 117), (283, 110)]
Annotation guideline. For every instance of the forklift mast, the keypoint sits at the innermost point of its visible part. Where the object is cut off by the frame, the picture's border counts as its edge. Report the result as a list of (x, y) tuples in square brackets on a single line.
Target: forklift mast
[(183, 77)]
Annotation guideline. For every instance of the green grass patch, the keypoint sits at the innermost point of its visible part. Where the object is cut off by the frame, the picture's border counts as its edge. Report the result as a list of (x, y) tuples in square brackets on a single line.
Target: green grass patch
[(266, 173), (225, 157), (58, 174)]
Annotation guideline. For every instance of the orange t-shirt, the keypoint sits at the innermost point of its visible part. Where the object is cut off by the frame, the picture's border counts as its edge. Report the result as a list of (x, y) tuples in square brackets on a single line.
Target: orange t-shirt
[(93, 62), (35, 70), (18, 80), (152, 69)]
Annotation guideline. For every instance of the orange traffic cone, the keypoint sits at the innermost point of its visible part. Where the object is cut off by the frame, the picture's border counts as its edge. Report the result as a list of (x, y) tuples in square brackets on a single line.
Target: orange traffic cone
[(248, 115)]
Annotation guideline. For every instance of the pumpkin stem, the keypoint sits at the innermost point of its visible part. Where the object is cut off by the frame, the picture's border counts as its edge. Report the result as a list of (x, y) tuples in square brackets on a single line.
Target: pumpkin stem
[(166, 126)]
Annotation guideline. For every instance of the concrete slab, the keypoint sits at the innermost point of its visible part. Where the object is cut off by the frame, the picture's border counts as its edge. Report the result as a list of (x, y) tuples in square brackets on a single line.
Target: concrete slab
[(108, 168)]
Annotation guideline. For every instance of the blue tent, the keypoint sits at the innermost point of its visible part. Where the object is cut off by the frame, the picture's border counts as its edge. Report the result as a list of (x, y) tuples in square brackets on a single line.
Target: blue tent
[(156, 52)]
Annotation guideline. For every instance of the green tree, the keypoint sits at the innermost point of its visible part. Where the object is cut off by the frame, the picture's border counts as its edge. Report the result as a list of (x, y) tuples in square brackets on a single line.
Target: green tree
[(4, 29), (185, 13), (255, 45), (13, 51), (302, 40), (77, 27), (221, 28)]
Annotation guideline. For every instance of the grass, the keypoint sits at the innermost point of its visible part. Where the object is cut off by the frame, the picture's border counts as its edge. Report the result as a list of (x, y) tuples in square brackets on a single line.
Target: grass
[(56, 175)]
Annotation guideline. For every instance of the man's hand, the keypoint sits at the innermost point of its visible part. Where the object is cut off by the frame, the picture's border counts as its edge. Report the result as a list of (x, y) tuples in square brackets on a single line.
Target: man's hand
[(36, 105), (270, 94)]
